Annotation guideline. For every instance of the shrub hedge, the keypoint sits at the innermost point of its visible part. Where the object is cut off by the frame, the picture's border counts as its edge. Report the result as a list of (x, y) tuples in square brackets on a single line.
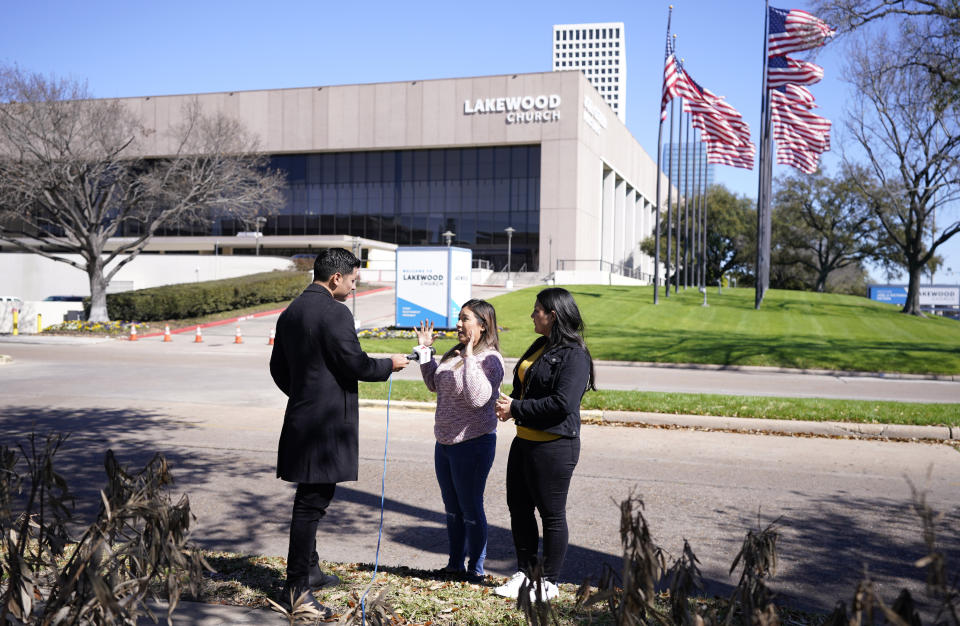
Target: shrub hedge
[(171, 302)]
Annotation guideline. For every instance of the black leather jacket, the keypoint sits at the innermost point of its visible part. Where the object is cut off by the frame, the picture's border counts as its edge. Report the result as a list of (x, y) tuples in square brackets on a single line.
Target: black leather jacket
[(552, 389)]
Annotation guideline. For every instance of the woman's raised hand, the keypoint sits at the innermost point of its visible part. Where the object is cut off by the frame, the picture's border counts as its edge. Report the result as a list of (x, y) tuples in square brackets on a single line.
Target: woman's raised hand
[(425, 333)]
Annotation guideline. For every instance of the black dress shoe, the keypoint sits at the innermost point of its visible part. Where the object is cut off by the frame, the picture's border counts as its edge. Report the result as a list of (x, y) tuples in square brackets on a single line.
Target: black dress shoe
[(292, 593), (319, 580)]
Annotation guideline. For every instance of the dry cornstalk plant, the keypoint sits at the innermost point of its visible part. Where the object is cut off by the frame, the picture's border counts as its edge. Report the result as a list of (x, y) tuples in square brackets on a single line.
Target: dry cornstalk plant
[(137, 546)]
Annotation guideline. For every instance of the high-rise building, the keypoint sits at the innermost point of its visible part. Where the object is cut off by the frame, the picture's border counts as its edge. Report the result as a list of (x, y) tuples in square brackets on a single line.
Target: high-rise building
[(676, 161), (597, 50)]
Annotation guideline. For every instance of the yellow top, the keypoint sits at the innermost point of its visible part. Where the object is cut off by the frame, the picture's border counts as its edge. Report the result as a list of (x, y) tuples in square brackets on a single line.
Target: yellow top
[(532, 434)]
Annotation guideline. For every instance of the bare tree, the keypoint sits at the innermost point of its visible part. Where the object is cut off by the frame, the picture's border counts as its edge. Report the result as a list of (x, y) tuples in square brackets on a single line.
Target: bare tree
[(912, 145), (73, 175), (929, 33), (824, 223)]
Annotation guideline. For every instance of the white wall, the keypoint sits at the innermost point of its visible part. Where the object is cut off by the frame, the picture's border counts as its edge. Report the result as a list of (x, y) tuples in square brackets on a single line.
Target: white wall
[(33, 277)]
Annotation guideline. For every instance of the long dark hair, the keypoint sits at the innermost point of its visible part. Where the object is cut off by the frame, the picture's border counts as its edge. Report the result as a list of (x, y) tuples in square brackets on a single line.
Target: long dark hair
[(567, 324), (489, 338)]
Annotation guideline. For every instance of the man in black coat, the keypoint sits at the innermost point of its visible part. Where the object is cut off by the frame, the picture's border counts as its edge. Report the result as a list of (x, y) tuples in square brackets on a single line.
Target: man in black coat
[(317, 362)]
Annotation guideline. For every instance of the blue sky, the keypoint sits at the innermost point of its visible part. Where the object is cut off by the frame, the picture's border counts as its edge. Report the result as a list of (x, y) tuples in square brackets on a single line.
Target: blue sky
[(124, 48)]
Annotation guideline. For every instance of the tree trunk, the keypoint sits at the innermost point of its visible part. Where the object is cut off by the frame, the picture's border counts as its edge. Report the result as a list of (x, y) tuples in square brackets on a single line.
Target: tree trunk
[(98, 290), (912, 305), (821, 285)]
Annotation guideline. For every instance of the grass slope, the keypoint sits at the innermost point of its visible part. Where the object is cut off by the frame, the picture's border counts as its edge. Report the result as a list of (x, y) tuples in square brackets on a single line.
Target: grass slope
[(792, 329)]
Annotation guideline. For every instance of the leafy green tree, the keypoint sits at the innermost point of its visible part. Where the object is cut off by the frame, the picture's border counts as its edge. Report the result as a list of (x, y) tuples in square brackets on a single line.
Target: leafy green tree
[(823, 224), (731, 236)]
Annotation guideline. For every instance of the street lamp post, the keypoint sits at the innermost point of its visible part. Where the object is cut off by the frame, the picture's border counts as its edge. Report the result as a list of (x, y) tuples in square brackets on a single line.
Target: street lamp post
[(448, 236), (509, 230), (260, 222)]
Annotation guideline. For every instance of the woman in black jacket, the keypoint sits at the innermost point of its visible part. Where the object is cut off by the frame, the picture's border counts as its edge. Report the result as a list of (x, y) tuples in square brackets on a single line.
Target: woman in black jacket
[(548, 383)]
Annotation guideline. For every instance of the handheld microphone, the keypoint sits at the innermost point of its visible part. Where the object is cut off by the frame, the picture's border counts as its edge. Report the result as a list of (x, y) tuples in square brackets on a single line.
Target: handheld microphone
[(413, 356)]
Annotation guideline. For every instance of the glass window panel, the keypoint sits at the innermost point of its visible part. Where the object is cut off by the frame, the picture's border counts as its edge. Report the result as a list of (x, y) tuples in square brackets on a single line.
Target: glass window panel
[(436, 164), (421, 196), (421, 160), (342, 164), (468, 163), (389, 166), (451, 168), (314, 168), (451, 196), (358, 167), (485, 163), (374, 172)]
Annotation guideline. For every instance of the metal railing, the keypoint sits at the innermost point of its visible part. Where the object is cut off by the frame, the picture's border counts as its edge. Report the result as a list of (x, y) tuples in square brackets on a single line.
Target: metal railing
[(604, 266)]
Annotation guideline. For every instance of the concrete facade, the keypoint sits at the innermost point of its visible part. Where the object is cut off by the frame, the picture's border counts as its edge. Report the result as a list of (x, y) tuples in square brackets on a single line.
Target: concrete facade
[(596, 181)]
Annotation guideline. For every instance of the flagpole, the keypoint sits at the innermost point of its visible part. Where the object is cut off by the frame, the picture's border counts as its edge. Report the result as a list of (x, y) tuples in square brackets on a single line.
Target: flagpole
[(695, 234), (676, 252), (656, 248), (669, 202), (687, 183), (656, 225), (766, 169), (703, 229)]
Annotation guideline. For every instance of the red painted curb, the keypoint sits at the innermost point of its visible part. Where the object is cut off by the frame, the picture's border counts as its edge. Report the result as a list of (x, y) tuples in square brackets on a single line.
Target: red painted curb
[(187, 329)]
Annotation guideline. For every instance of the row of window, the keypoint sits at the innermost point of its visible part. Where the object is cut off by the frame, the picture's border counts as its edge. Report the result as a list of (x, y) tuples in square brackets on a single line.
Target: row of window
[(411, 165), (590, 46), (407, 197), (588, 33), (576, 55)]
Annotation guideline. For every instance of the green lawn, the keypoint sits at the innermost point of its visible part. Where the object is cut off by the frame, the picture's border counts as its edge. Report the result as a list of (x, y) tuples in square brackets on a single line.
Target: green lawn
[(813, 409), (792, 329)]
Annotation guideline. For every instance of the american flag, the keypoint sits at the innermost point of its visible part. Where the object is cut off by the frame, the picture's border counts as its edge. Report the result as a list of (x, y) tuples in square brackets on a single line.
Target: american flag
[(676, 84), (802, 136), (795, 30), (722, 129), (782, 71)]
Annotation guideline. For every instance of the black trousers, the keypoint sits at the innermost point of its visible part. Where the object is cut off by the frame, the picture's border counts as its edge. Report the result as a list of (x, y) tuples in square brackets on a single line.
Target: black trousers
[(309, 505), (538, 479)]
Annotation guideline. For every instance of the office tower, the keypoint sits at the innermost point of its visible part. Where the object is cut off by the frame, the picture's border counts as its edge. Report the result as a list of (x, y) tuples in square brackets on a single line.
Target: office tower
[(672, 166), (597, 50)]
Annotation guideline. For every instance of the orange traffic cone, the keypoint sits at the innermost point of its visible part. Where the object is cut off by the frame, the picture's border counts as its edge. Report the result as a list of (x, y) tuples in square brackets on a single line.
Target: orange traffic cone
[(133, 332), (270, 339), (166, 334), (238, 338), (199, 337)]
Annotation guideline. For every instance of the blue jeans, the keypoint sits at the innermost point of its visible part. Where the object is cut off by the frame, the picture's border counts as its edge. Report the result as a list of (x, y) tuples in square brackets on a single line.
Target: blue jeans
[(462, 470)]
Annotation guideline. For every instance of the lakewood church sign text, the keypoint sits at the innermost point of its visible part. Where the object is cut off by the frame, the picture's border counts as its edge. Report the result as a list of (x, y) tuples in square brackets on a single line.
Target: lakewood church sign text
[(519, 109)]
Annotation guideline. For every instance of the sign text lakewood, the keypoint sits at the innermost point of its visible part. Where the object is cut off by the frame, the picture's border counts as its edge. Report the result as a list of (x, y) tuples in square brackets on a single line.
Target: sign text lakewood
[(519, 109)]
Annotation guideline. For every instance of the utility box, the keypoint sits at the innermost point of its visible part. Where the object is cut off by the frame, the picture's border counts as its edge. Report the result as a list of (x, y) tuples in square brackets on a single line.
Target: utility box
[(432, 284)]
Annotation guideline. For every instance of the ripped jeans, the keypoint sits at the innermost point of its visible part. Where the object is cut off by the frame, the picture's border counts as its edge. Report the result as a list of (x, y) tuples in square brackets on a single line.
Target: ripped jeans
[(462, 470)]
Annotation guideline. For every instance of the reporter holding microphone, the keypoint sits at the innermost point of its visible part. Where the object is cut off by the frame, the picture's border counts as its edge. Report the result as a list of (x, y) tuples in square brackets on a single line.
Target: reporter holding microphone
[(549, 381), (467, 382)]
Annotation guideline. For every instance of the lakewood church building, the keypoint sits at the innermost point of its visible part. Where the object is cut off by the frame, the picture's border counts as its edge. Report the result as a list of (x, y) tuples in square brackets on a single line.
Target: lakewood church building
[(403, 163)]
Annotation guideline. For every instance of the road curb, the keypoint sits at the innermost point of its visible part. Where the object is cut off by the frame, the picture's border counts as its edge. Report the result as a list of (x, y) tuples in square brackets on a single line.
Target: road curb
[(736, 424), (781, 370)]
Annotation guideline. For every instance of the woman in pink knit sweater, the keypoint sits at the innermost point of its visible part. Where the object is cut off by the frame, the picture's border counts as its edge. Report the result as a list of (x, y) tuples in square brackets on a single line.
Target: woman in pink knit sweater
[(467, 383)]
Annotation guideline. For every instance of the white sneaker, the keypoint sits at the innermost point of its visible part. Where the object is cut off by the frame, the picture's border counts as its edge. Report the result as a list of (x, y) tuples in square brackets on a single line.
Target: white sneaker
[(511, 588), (548, 591)]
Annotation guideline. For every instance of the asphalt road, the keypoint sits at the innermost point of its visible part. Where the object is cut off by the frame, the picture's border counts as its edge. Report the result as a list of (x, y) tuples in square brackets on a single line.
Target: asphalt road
[(214, 412)]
